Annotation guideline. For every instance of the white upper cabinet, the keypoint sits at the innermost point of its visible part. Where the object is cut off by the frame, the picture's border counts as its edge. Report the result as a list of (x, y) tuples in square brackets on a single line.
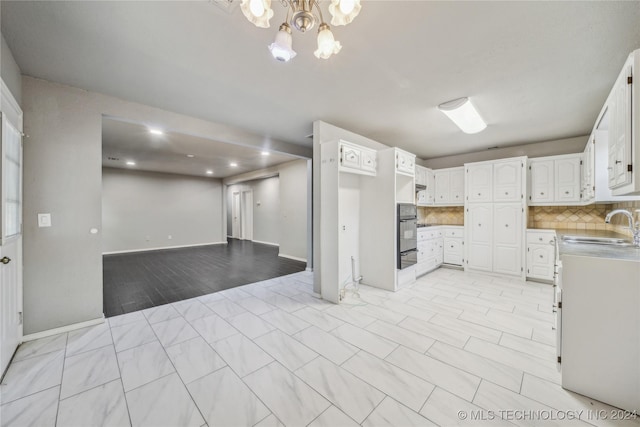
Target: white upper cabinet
[(567, 179), (479, 182), (507, 181), (441, 178), (421, 175), (556, 180), (623, 109), (456, 186), (541, 179), (357, 159), (449, 186), (431, 184), (405, 162)]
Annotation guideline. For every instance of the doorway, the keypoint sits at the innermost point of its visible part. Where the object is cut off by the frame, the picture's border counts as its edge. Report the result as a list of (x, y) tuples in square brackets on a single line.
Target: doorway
[(242, 215)]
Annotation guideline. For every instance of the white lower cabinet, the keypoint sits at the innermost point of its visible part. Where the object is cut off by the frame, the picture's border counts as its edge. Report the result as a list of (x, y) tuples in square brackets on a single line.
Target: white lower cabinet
[(439, 245), (494, 238), (541, 254)]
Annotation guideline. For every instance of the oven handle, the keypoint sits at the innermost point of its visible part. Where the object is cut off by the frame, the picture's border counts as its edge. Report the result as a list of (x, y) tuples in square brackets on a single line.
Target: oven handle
[(407, 220), (408, 251)]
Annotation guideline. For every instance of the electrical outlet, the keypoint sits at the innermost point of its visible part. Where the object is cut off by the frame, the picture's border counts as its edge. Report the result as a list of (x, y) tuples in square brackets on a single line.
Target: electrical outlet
[(44, 220)]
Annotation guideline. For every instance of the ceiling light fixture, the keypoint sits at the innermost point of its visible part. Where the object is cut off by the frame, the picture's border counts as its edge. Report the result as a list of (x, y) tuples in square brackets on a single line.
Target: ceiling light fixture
[(191, 156), (265, 153), (462, 112), (209, 172), (302, 15), (233, 164), (156, 132), (131, 163)]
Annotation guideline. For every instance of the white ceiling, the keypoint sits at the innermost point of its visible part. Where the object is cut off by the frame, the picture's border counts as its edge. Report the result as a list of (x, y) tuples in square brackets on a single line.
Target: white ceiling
[(535, 70), (124, 141)]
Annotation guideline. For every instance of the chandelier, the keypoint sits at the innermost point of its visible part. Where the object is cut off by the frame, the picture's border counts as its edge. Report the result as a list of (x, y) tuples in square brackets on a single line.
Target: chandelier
[(303, 16)]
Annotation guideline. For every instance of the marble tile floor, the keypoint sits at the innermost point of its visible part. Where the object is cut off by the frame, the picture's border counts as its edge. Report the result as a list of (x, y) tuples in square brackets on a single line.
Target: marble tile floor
[(270, 354)]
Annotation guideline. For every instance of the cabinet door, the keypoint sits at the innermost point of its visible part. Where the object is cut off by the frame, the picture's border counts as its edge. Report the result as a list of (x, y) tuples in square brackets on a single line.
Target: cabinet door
[(456, 183), (620, 130), (507, 181), (431, 182), (478, 236), (479, 183), (508, 242), (540, 261), (453, 251), (588, 171), (421, 178), (350, 157), (442, 187), (541, 178), (368, 161), (439, 251), (567, 179), (405, 163)]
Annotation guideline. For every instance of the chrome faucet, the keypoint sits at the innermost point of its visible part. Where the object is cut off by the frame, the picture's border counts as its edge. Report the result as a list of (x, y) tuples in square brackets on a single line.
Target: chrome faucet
[(635, 228)]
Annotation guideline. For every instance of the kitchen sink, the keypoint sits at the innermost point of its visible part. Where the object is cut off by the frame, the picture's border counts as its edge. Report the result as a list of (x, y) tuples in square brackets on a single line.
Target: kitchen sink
[(612, 241)]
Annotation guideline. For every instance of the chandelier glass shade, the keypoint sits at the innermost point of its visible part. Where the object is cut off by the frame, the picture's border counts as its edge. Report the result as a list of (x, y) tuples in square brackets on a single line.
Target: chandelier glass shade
[(303, 15)]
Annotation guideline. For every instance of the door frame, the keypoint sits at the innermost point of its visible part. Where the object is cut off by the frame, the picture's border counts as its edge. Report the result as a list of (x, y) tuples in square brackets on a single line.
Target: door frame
[(12, 113), (246, 214), (236, 215)]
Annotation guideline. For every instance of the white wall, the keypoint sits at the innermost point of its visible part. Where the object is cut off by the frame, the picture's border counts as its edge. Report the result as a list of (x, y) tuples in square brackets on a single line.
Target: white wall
[(538, 149), (63, 176), (266, 208), (10, 71), (141, 209)]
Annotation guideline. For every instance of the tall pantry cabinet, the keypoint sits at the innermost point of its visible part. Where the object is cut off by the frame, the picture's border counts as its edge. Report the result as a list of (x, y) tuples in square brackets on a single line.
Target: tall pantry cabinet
[(495, 216)]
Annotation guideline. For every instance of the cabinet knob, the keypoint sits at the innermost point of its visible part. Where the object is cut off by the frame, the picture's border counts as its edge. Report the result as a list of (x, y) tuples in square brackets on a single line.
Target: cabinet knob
[(540, 238), (566, 192), (541, 256), (506, 193), (479, 225), (479, 194), (618, 161), (542, 193), (506, 225)]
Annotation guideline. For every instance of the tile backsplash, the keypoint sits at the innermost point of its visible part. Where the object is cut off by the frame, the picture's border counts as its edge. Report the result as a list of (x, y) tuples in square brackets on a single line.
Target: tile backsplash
[(589, 217), (449, 215)]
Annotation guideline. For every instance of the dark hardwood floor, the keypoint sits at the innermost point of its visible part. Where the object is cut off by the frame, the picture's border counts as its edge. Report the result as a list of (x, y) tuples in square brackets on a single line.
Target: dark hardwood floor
[(136, 281)]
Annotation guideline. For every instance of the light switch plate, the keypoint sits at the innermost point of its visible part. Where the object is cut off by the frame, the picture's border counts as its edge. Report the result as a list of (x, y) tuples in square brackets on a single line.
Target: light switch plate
[(44, 220)]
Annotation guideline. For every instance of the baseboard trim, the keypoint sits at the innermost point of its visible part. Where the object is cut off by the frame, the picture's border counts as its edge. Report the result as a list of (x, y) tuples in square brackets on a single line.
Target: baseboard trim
[(63, 329), (266, 243), (163, 248), (295, 258)]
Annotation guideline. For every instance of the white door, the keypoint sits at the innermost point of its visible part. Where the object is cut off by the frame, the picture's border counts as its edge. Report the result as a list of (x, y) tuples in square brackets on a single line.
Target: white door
[(11, 242), (507, 238), (236, 226), (541, 177), (507, 181), (247, 215), (567, 179), (456, 183), (478, 234), (479, 183), (442, 187)]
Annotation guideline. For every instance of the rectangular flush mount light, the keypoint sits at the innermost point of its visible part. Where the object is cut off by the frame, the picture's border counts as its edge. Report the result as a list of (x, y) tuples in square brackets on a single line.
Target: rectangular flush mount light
[(464, 115)]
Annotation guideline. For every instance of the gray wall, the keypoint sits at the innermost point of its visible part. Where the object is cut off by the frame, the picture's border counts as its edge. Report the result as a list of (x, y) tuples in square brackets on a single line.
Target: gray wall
[(538, 149), (293, 234), (266, 208), (10, 71), (140, 210), (63, 176), (293, 209)]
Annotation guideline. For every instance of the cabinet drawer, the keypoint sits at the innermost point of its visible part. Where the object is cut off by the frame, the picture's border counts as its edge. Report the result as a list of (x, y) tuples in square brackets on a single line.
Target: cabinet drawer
[(541, 237), (454, 232)]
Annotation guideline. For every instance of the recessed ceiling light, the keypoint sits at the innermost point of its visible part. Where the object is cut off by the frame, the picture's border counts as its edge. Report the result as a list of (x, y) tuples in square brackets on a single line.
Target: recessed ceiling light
[(156, 132), (209, 172), (233, 164), (191, 155), (131, 163), (464, 115), (265, 153)]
